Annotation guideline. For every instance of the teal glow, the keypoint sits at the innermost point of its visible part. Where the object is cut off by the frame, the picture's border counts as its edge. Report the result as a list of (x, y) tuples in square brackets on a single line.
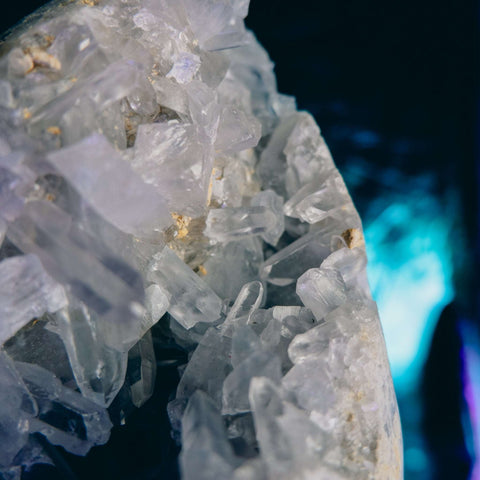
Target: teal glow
[(416, 459), (410, 273)]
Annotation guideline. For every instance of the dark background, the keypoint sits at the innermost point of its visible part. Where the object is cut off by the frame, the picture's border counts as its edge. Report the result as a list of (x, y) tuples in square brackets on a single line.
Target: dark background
[(404, 69), (408, 71)]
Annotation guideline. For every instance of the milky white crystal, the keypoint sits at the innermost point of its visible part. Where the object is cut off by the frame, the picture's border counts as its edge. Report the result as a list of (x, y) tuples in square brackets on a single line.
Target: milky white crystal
[(151, 172)]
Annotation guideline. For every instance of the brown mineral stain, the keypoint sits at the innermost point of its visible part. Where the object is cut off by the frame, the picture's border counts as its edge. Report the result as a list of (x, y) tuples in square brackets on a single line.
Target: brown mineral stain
[(182, 222), (48, 40), (43, 59), (210, 188), (353, 237), (54, 130), (29, 65), (358, 396), (27, 114), (218, 173), (202, 270)]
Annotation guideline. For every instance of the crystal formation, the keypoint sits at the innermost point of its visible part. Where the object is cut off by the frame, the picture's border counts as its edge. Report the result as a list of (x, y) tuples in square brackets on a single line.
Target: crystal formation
[(151, 172)]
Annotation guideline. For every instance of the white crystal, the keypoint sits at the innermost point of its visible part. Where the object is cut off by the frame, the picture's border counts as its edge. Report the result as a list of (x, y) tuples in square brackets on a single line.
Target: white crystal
[(208, 367), (235, 386), (237, 131), (80, 110), (248, 301), (185, 66), (307, 155), (243, 257), (245, 342), (98, 369), (206, 452), (274, 202), (81, 413), (156, 304), (316, 200), (18, 407), (264, 217), (191, 299), (151, 172), (290, 443), (285, 266), (26, 292), (321, 290), (172, 158), (102, 282), (142, 378), (110, 186)]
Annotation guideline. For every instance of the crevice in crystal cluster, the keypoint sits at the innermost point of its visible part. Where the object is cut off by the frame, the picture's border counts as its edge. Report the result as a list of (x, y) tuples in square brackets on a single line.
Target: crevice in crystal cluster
[(152, 176)]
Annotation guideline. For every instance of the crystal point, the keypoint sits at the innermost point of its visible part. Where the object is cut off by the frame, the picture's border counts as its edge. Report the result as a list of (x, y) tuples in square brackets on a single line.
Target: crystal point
[(162, 205)]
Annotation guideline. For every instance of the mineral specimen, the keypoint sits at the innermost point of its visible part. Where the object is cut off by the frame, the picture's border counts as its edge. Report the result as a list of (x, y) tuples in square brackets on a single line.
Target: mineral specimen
[(151, 172)]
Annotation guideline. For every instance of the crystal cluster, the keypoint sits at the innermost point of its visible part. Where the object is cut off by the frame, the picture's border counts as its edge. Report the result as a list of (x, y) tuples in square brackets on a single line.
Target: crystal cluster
[(151, 172)]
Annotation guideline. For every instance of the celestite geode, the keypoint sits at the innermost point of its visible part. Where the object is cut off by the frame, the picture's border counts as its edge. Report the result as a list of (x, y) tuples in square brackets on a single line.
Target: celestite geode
[(151, 172)]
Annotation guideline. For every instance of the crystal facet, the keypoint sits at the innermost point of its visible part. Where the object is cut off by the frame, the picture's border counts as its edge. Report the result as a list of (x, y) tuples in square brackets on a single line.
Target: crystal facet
[(150, 173)]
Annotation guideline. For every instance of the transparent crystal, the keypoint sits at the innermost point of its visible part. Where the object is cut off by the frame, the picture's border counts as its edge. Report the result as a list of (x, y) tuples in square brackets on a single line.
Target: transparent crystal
[(169, 156), (321, 290), (206, 452), (150, 172), (110, 186), (26, 292), (208, 367), (243, 256), (316, 200), (99, 369), (142, 375), (264, 217), (191, 299), (71, 413), (18, 407), (235, 386)]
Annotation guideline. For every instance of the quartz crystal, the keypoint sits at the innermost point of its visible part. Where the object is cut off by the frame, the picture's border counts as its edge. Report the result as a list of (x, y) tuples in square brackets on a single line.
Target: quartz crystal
[(150, 173)]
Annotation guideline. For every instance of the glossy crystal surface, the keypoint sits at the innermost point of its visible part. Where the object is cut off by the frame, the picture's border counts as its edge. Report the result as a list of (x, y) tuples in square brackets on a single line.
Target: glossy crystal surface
[(150, 173)]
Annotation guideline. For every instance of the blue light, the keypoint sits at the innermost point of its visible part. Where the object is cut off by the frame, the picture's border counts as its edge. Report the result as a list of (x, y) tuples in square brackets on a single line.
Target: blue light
[(471, 390), (410, 273), (416, 459), (366, 138)]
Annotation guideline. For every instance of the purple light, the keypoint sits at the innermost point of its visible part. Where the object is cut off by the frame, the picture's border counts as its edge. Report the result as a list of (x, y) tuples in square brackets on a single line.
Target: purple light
[(470, 354)]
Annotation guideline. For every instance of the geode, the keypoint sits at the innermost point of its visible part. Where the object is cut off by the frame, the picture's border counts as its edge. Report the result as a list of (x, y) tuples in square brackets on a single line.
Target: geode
[(150, 173)]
